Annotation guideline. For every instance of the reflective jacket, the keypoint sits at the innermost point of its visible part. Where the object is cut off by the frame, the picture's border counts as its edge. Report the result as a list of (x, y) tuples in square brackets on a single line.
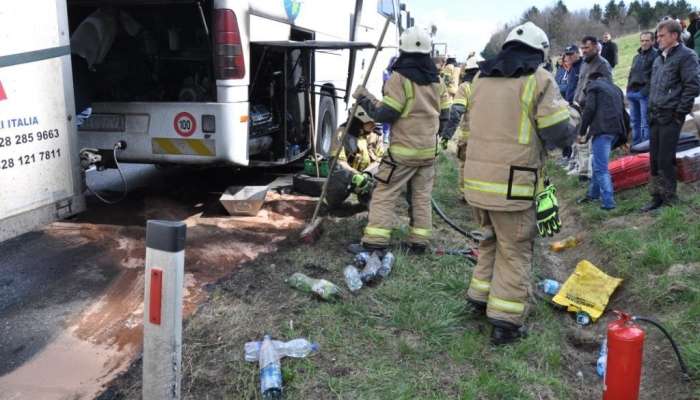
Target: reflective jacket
[(360, 155), (419, 109), (511, 121), (459, 115)]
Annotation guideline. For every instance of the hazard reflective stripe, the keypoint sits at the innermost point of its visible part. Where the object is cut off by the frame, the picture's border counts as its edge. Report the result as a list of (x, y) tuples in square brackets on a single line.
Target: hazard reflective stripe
[(528, 97), (392, 103), (511, 307), (553, 119), (498, 188), (445, 104), (460, 102), (422, 232), (463, 134), (479, 285), (410, 98), (378, 232), (186, 147), (420, 154)]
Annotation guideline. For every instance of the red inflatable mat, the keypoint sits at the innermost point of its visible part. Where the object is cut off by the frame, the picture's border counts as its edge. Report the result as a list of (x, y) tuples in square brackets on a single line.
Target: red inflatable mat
[(629, 171), (688, 165)]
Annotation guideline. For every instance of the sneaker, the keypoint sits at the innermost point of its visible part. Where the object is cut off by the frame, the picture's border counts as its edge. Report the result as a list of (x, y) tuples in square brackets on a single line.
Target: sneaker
[(585, 200), (654, 204)]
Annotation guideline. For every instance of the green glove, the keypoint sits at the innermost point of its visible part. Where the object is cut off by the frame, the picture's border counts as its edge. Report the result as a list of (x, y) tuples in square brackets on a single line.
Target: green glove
[(548, 222), (443, 143), (361, 183)]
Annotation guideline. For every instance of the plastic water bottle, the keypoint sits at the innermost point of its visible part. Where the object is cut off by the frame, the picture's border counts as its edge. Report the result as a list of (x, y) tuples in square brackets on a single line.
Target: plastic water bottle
[(297, 348), (361, 259), (321, 287), (602, 363), (352, 278), (387, 265), (270, 371), (549, 286), (371, 270)]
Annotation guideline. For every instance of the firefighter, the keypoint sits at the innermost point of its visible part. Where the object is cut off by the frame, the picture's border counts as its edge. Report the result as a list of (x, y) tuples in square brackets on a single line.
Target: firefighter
[(459, 117), (450, 76), (358, 160), (516, 113), (417, 105)]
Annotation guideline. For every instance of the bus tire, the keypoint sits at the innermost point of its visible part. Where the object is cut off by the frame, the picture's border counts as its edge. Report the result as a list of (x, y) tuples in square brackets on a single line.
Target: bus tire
[(308, 185), (327, 124)]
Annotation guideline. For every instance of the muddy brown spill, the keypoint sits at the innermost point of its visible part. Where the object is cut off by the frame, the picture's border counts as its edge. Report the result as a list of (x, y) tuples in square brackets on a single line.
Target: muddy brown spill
[(106, 337)]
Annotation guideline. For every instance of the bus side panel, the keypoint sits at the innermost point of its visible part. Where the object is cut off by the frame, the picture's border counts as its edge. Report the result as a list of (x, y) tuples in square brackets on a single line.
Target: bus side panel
[(171, 132)]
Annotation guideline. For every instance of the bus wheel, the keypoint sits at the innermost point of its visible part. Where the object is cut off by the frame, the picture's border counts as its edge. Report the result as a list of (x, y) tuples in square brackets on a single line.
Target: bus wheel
[(327, 124)]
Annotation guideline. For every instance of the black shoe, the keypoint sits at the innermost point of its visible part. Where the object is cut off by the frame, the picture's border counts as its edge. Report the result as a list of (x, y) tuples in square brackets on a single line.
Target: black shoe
[(583, 178), (585, 199), (357, 248), (415, 249), (653, 205), (506, 333)]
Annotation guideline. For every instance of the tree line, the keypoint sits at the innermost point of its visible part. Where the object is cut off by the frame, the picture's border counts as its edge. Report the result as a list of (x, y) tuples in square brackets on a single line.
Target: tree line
[(564, 26)]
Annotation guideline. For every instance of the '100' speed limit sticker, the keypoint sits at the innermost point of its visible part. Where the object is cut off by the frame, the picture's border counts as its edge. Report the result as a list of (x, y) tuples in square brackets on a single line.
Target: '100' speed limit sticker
[(185, 124)]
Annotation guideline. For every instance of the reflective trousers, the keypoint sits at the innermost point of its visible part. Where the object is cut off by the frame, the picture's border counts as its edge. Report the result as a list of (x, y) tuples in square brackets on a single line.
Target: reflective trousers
[(501, 278), (385, 197)]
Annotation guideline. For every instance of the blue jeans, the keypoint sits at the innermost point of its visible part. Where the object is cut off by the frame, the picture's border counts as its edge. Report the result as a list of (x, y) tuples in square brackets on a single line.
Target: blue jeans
[(601, 184), (638, 116)]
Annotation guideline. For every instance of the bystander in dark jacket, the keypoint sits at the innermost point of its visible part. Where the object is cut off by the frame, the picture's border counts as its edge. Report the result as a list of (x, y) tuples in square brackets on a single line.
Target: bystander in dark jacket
[(675, 83)]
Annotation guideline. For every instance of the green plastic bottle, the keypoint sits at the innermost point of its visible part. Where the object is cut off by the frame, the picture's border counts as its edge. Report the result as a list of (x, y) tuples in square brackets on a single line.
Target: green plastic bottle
[(321, 287)]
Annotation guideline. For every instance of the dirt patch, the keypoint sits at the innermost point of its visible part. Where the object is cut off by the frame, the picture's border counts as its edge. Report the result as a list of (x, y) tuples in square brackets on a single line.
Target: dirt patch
[(660, 375), (110, 330)]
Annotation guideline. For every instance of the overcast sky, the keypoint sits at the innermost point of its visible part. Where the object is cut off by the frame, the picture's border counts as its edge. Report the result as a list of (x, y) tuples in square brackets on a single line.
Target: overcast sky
[(467, 25)]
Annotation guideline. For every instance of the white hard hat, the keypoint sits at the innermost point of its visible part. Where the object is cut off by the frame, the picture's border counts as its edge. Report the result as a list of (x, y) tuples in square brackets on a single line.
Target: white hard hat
[(473, 62), (415, 40), (530, 35), (362, 115)]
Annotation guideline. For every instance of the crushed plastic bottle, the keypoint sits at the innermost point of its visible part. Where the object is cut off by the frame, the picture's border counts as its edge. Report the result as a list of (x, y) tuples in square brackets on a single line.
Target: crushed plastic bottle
[(387, 265), (352, 278), (270, 371), (568, 243), (371, 270), (321, 287), (361, 259), (582, 318), (297, 348), (549, 286), (601, 365)]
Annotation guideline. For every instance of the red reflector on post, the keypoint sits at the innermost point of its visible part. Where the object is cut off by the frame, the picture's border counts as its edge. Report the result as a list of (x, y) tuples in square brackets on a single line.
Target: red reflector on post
[(156, 296), (229, 62)]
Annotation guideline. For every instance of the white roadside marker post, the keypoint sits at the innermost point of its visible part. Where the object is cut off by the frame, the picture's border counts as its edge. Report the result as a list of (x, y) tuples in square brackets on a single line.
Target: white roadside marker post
[(162, 325)]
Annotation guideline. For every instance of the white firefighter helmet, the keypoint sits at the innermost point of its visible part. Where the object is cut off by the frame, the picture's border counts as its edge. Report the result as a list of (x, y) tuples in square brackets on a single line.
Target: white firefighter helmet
[(473, 62), (362, 115), (415, 40), (530, 35)]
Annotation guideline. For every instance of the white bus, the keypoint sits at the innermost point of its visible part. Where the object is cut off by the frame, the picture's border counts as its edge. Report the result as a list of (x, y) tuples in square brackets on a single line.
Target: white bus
[(225, 81)]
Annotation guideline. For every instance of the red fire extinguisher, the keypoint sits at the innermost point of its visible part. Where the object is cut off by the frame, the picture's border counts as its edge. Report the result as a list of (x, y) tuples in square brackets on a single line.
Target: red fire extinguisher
[(624, 366)]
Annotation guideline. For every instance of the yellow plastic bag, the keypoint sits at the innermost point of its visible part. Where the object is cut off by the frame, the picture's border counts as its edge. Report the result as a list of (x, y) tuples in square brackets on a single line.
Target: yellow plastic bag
[(588, 289)]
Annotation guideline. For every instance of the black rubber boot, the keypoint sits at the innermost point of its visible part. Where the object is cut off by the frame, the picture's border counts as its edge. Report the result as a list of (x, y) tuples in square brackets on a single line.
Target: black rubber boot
[(654, 204), (413, 248), (476, 308), (357, 248), (506, 333)]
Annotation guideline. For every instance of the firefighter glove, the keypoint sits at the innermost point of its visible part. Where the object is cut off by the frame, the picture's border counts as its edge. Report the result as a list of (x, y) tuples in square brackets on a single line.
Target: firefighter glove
[(443, 143), (360, 92), (362, 183), (548, 222)]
